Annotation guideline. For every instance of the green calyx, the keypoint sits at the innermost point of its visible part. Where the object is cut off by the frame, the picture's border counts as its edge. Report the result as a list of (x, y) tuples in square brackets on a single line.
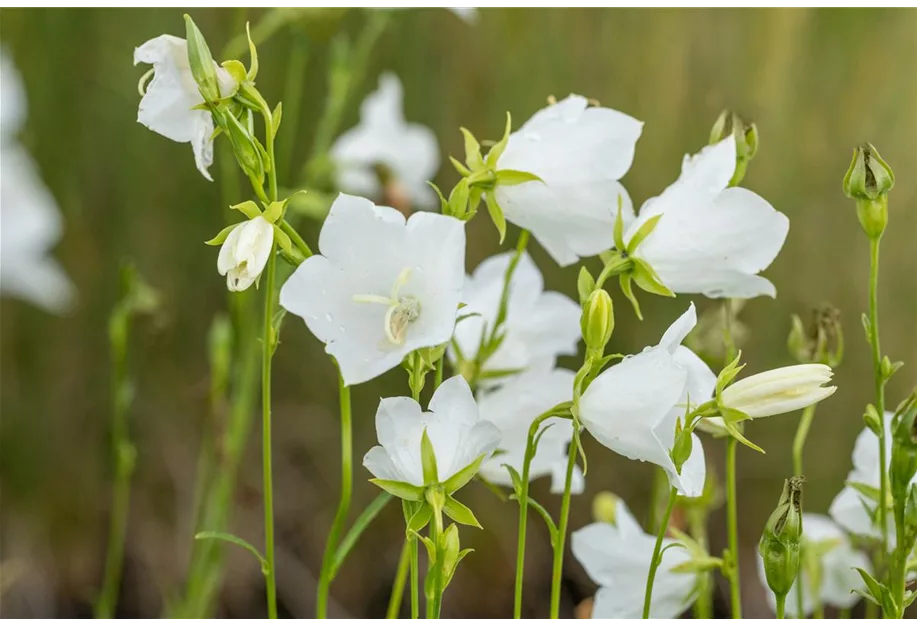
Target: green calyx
[(273, 213), (781, 542), (746, 135)]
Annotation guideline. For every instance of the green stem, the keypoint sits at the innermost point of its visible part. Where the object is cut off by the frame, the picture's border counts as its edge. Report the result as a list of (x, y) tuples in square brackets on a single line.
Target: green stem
[(657, 489), (401, 576), (435, 592), (617, 266), (340, 517), (415, 580), (799, 441), (735, 592), (697, 524), (781, 604), (438, 376), (363, 521), (561, 536), (844, 613), (871, 612), (267, 351), (800, 595), (899, 564), (654, 565), (296, 238)]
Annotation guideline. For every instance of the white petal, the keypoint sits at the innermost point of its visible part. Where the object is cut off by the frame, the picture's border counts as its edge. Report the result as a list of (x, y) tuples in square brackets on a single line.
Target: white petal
[(396, 416), (701, 379), (380, 465), (453, 402), (849, 511), (678, 330), (712, 168)]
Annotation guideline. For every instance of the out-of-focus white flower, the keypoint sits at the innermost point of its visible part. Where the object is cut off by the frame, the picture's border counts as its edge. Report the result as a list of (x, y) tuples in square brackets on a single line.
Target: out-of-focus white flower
[(617, 557), (245, 252), (779, 391), (711, 239), (382, 287), (579, 153), (851, 508), (459, 436), (539, 325), (633, 407), (30, 222), (468, 15), (837, 560), (407, 152), (512, 408), (167, 106)]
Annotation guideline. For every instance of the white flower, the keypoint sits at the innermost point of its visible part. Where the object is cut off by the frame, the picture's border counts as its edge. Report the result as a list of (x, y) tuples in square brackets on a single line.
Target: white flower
[(469, 15), (617, 557), (167, 106), (837, 562), (779, 391), (632, 408), (711, 239), (849, 508), (381, 287), (245, 252), (383, 138), (30, 222), (539, 325), (512, 408), (458, 435), (580, 153)]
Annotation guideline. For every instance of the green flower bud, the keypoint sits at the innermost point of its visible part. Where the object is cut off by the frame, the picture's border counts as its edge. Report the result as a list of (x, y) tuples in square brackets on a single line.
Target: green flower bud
[(605, 508), (598, 320), (903, 464), (201, 62), (682, 448), (244, 146), (868, 181), (746, 134), (822, 342), (781, 540)]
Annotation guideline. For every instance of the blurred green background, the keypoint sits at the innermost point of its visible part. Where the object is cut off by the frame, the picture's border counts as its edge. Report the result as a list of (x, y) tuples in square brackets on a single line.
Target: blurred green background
[(817, 82)]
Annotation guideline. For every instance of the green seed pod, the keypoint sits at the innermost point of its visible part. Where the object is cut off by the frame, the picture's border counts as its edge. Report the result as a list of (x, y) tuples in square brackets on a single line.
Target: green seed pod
[(781, 540)]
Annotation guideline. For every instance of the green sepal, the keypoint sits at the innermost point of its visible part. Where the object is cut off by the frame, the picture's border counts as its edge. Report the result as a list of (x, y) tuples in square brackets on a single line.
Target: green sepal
[(585, 284), (497, 150), (276, 117), (459, 166), (460, 513), (428, 460), (463, 476), (283, 240), (627, 288), (619, 227), (458, 200), (419, 519), (866, 490), (249, 208), (474, 201), (228, 537), (515, 478), (734, 432), (443, 204), (401, 489), (222, 235), (253, 53), (237, 71), (727, 375), (642, 233), (473, 158), (647, 279), (201, 62), (878, 593), (515, 177), (496, 214), (500, 373)]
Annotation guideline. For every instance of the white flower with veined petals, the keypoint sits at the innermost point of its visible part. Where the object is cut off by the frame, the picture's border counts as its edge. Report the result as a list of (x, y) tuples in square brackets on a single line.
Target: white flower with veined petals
[(382, 287), (849, 508), (245, 252), (458, 434), (30, 222), (617, 557), (779, 391), (580, 153), (539, 325), (383, 138), (632, 408), (512, 408), (167, 106), (838, 577), (711, 239)]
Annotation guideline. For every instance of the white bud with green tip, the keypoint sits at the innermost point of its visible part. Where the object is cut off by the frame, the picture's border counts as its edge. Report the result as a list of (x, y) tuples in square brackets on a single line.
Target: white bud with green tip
[(245, 252)]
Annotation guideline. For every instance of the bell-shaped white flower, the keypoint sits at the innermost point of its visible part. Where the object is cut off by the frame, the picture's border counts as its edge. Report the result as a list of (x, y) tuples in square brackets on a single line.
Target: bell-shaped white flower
[(167, 106), (711, 239), (382, 287), (779, 391), (245, 252), (853, 509), (459, 436), (408, 153), (836, 562), (617, 557), (579, 153), (538, 327), (634, 406), (30, 222), (512, 407)]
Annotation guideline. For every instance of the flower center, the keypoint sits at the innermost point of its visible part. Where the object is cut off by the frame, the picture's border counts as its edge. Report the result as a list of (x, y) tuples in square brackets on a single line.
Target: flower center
[(401, 312)]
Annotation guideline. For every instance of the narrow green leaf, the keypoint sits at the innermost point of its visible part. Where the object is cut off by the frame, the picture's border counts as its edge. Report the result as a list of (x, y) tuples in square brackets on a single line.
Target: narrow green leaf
[(402, 490), (473, 158), (463, 476), (497, 151), (496, 214), (516, 177), (460, 513), (249, 208), (222, 235), (363, 521), (228, 537), (642, 233), (515, 478), (499, 374), (871, 492), (548, 521), (625, 280), (428, 460)]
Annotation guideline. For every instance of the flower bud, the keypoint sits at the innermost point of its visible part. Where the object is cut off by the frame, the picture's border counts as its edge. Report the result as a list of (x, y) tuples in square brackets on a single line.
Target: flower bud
[(903, 465), (746, 134), (779, 391), (598, 320), (868, 181), (245, 253), (682, 448), (244, 146), (201, 61), (605, 508), (822, 342), (781, 540)]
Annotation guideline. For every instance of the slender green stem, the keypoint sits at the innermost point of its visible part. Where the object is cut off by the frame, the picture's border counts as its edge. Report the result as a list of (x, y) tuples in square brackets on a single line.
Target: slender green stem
[(435, 592), (415, 580), (800, 595), (844, 613), (561, 537), (735, 592), (654, 565), (697, 524), (363, 521), (340, 517), (879, 385), (438, 376), (401, 576), (657, 489), (617, 266), (267, 351), (296, 238), (799, 441), (781, 605), (899, 557)]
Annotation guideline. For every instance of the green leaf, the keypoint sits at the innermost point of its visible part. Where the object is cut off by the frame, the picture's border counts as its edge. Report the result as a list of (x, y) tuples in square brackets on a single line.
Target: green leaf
[(249, 208), (625, 280), (276, 117), (516, 177), (363, 521), (515, 478), (463, 476), (459, 166), (460, 513), (544, 429), (401, 489), (548, 521), (222, 235), (648, 280), (228, 537), (619, 227), (878, 590), (473, 158), (499, 374), (867, 328), (428, 460), (870, 492), (642, 233), (497, 151), (461, 555), (496, 214), (420, 518)]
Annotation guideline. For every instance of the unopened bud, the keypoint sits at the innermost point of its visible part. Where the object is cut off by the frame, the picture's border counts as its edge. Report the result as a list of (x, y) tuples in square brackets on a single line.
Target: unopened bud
[(868, 181), (598, 320), (781, 541), (822, 342), (605, 508), (682, 448), (903, 464), (201, 62), (243, 146), (746, 134)]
